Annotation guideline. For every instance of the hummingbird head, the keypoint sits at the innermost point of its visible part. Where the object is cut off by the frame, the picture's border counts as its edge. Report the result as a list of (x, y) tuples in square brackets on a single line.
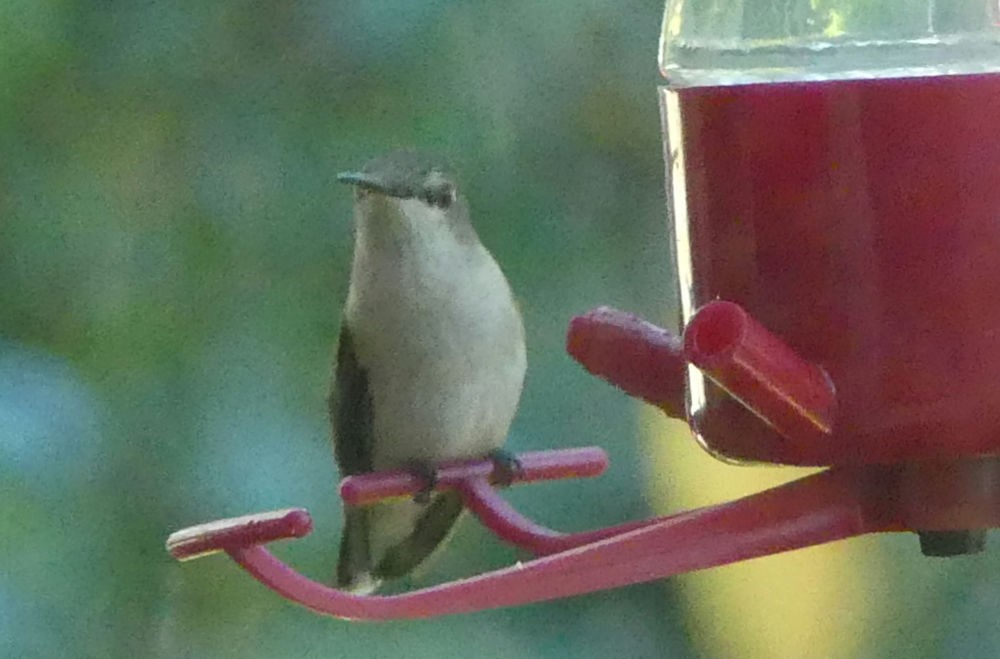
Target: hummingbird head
[(407, 197), (404, 175)]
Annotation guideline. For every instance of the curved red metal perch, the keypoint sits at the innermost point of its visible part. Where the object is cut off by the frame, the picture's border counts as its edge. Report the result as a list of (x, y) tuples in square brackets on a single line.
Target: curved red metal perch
[(828, 506), (832, 505), (511, 526), (534, 466), (471, 477), (256, 529), (811, 511)]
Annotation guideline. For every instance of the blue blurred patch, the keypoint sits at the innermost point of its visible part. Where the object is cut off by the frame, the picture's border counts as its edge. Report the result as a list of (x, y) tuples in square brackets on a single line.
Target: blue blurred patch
[(50, 423)]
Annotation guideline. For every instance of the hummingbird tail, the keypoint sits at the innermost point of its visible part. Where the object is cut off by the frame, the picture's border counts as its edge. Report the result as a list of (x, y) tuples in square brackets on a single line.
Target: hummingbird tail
[(354, 564), (429, 533)]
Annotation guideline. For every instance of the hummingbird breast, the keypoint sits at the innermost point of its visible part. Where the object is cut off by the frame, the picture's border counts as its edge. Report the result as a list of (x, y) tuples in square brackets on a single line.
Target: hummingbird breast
[(441, 339)]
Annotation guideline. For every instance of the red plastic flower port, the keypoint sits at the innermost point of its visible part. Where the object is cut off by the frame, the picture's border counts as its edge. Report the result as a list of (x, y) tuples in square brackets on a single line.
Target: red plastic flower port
[(792, 395)]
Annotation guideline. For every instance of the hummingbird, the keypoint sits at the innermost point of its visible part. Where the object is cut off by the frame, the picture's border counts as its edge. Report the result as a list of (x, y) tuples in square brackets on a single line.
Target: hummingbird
[(430, 360)]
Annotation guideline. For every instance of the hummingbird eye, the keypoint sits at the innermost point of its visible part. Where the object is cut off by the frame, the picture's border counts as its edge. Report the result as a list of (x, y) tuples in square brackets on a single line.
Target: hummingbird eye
[(442, 195)]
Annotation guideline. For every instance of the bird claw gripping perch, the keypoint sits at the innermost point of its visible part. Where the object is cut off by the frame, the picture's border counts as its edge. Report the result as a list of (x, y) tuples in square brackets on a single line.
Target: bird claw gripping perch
[(785, 391)]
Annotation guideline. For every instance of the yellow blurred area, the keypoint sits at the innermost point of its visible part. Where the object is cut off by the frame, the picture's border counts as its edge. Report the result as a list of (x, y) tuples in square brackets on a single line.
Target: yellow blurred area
[(816, 602)]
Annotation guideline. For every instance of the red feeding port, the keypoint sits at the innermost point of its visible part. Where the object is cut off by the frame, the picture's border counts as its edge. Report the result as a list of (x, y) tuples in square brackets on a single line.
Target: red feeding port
[(793, 396), (646, 361), (711, 343)]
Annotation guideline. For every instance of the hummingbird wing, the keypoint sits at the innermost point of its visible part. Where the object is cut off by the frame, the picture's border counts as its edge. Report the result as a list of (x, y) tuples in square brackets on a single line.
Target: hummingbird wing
[(350, 406)]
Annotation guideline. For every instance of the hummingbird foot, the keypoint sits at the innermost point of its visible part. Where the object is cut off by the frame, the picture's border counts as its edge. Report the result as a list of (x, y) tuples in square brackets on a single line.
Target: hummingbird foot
[(427, 474), (506, 467)]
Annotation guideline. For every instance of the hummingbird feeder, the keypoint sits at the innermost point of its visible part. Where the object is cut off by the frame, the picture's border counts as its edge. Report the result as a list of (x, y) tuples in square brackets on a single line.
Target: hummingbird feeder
[(837, 237)]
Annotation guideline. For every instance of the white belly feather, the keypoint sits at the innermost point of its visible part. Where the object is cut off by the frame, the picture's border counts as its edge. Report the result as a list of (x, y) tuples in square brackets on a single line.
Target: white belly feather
[(443, 346)]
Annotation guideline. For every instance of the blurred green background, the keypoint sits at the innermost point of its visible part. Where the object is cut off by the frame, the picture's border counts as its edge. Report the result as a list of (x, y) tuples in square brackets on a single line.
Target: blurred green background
[(173, 257)]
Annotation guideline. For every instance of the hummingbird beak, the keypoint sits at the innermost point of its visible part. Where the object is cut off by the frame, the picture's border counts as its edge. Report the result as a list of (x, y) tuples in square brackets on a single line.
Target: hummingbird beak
[(365, 181)]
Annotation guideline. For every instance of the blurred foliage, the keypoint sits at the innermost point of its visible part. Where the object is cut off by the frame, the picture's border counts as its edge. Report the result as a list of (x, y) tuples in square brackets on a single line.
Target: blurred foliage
[(174, 257)]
